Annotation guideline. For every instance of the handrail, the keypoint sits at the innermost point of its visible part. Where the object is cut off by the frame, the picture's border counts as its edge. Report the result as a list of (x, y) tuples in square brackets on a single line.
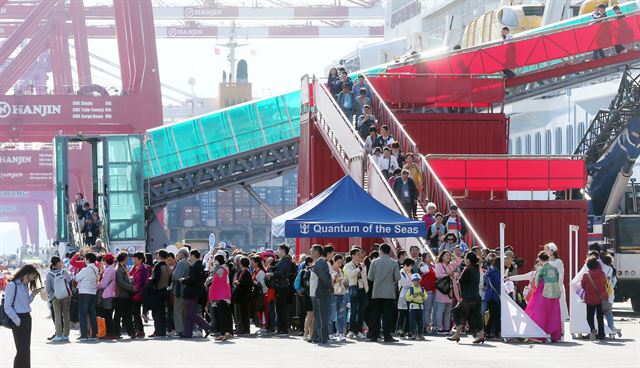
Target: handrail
[(336, 128), (397, 129), (75, 230), (375, 174), (436, 75), (333, 102), (442, 198), (499, 156), (324, 101)]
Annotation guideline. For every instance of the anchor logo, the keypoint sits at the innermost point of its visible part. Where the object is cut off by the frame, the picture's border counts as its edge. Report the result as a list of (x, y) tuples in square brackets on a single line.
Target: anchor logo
[(304, 229)]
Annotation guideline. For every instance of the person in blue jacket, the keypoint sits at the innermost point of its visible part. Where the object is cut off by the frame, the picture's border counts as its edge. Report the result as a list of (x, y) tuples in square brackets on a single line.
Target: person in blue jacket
[(492, 298)]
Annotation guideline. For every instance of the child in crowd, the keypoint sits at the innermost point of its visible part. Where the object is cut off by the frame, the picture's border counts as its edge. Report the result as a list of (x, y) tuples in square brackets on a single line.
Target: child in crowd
[(415, 298)]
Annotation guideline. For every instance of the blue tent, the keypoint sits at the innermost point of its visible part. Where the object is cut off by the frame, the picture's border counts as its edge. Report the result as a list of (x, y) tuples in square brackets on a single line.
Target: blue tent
[(345, 210)]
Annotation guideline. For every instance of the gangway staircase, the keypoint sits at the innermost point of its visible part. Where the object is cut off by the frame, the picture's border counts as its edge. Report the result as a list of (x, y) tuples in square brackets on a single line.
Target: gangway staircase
[(347, 147)]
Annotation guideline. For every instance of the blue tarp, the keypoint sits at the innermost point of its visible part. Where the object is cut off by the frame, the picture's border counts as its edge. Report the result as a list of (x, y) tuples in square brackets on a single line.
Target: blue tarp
[(345, 210)]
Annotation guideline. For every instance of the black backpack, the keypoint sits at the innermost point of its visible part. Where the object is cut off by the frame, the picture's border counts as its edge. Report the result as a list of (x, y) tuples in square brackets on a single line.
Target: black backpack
[(5, 321), (293, 272)]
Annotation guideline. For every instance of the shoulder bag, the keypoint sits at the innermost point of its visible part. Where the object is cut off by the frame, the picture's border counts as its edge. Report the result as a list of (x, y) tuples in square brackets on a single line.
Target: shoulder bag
[(444, 284), (605, 305), (102, 302)]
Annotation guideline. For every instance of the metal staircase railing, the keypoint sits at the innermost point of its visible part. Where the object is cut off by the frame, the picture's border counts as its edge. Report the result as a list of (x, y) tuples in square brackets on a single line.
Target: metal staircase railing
[(74, 225), (348, 147), (433, 190), (385, 116), (346, 144), (608, 124), (103, 210)]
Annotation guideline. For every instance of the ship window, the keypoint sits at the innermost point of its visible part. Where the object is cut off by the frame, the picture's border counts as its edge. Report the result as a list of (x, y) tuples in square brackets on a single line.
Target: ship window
[(509, 17), (569, 139), (558, 141), (536, 11), (547, 142), (538, 143)]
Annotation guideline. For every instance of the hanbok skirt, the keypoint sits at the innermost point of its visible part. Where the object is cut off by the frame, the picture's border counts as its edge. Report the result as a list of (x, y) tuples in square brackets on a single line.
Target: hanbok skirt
[(546, 313)]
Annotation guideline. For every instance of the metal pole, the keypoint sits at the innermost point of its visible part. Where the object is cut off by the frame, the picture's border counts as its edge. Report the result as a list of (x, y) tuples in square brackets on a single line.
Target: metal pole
[(574, 247), (502, 227)]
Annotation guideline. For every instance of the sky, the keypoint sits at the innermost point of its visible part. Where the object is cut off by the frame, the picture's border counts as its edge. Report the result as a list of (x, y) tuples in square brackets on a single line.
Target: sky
[(275, 66)]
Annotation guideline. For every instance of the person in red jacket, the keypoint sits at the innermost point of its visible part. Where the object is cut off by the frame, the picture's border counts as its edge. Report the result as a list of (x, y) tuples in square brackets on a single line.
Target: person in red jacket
[(428, 283), (140, 274), (594, 284)]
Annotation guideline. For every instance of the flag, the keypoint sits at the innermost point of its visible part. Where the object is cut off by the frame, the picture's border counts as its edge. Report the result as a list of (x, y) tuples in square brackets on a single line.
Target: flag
[(216, 51)]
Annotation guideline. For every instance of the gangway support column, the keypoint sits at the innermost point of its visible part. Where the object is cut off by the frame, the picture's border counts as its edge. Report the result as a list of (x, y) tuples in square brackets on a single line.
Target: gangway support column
[(260, 201)]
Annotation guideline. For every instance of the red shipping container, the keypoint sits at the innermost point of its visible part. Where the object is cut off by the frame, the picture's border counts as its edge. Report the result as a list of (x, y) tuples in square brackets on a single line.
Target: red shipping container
[(457, 133), (240, 197), (225, 199), (530, 225), (225, 216)]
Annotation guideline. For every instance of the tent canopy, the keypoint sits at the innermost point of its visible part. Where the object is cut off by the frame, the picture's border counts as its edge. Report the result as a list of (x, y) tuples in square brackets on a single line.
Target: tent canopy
[(345, 210)]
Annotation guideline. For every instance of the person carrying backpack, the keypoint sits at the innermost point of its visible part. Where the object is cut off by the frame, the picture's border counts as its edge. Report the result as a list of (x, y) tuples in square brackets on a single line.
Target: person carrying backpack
[(415, 298), (59, 289)]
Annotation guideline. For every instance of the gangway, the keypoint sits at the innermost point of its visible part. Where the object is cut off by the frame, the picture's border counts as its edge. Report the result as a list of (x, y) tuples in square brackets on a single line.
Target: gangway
[(347, 148)]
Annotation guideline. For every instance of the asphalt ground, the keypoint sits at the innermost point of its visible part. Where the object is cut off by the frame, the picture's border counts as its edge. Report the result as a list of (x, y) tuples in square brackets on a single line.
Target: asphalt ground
[(263, 352)]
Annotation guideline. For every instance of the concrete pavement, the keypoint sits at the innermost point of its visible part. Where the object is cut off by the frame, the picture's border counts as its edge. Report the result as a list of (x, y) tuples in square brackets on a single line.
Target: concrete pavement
[(293, 352)]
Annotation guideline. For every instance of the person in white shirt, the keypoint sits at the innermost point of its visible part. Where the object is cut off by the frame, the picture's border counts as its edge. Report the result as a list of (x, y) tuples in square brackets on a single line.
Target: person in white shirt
[(356, 272), (338, 306), (506, 34), (387, 163), (598, 13), (370, 140), (87, 280)]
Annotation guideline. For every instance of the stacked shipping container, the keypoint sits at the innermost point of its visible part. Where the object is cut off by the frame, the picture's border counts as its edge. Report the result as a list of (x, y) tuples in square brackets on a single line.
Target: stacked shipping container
[(234, 208)]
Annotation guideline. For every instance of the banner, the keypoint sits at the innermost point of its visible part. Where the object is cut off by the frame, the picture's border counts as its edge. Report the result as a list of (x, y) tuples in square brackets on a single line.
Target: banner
[(26, 169), (346, 230)]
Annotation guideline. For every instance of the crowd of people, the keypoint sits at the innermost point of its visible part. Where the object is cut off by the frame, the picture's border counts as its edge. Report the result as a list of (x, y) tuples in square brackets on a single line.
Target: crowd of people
[(326, 297), (400, 169)]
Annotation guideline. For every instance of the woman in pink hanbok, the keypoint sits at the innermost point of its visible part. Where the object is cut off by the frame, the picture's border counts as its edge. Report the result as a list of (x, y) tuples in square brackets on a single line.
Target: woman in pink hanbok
[(544, 305)]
